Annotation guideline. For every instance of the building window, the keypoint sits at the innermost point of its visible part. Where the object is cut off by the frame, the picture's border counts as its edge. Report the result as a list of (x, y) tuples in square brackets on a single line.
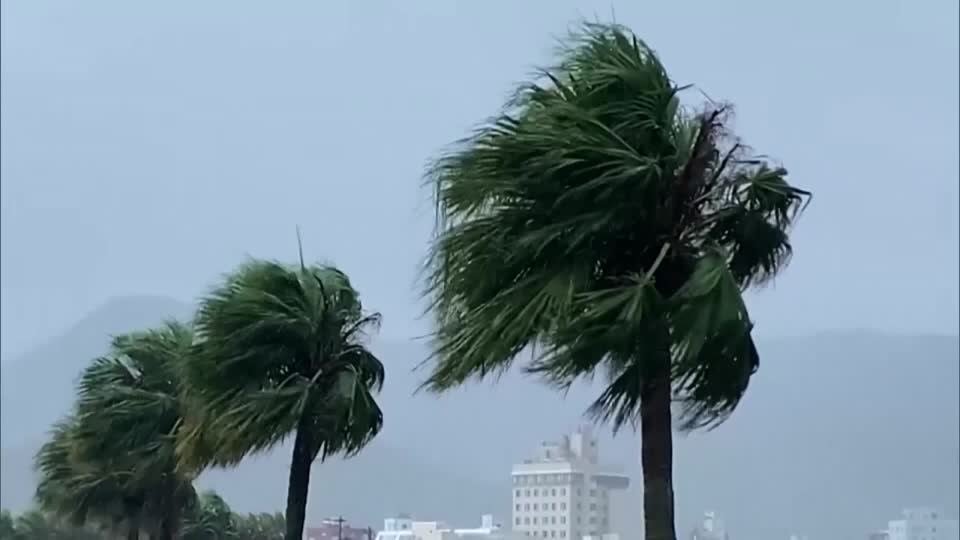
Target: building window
[(593, 493), (535, 507), (563, 534), (517, 521), (518, 493), (553, 492), (553, 520), (526, 521), (527, 492), (563, 520), (517, 507), (593, 506), (553, 506), (563, 506), (526, 506), (553, 534), (534, 520), (536, 492), (563, 491)]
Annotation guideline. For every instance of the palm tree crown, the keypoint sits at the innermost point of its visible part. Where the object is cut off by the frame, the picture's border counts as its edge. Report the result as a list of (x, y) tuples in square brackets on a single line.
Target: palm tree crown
[(599, 219), (114, 458), (276, 345)]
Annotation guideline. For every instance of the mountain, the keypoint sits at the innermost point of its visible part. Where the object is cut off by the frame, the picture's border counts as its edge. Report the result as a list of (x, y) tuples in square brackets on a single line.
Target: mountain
[(41, 381), (837, 433)]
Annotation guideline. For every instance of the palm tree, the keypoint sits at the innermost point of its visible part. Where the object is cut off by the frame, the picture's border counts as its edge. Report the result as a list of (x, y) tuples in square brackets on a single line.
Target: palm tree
[(84, 492), (114, 459), (262, 526), (210, 519), (280, 352), (610, 230)]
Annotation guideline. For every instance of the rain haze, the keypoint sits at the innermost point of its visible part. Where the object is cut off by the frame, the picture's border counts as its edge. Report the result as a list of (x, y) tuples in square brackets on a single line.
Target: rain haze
[(148, 148)]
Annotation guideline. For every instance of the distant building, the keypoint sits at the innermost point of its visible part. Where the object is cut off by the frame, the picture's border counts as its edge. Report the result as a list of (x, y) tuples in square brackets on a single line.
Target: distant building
[(922, 524), (405, 528), (337, 529), (711, 528), (878, 535), (563, 493)]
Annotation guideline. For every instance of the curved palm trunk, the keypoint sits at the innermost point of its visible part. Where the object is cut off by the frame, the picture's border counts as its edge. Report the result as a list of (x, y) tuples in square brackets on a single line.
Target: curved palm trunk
[(299, 483), (656, 457)]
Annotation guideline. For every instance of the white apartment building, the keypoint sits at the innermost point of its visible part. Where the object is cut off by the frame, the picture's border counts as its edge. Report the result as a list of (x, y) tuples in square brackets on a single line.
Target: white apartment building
[(563, 493), (922, 524)]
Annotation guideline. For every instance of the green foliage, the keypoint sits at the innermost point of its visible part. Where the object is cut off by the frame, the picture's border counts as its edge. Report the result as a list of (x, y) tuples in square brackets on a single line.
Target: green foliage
[(35, 525), (210, 518), (113, 462), (261, 526), (598, 221), (280, 347)]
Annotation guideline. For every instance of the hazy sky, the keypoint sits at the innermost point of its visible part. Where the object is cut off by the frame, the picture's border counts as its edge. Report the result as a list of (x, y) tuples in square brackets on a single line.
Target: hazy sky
[(149, 147)]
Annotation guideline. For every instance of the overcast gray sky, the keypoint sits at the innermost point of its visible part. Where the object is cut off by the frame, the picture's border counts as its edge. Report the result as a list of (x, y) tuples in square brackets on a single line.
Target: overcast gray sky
[(149, 147)]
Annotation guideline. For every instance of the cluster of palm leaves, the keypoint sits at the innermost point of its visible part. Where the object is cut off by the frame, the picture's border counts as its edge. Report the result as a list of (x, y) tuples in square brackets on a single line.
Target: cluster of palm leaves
[(276, 351), (209, 519), (37, 525)]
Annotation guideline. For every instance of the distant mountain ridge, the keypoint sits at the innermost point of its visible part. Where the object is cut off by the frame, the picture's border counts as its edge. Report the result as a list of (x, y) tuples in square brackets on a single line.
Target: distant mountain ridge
[(838, 431)]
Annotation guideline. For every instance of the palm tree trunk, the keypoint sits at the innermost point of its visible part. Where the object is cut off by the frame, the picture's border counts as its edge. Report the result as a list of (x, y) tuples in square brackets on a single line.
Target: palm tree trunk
[(299, 483), (656, 456)]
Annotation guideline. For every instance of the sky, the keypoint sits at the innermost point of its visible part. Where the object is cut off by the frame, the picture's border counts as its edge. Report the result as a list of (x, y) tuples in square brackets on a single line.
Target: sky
[(147, 148)]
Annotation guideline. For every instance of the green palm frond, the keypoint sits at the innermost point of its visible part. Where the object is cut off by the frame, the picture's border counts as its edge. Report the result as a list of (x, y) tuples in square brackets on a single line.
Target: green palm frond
[(277, 344), (114, 458), (603, 224)]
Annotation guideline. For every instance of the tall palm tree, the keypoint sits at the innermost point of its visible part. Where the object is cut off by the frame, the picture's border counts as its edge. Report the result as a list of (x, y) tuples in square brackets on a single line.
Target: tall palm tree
[(281, 352), (601, 224), (115, 456)]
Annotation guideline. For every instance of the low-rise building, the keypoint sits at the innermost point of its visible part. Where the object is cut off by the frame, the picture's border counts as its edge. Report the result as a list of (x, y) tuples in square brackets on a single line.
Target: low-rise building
[(922, 524), (337, 529), (405, 528)]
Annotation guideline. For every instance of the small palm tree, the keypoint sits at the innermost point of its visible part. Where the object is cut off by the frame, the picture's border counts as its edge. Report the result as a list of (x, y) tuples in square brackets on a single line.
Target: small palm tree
[(210, 519), (613, 231), (114, 459), (83, 492), (281, 352), (263, 526)]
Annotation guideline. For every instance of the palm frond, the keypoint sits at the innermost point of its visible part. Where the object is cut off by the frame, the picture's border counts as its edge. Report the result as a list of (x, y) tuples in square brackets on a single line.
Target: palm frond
[(274, 342), (585, 222)]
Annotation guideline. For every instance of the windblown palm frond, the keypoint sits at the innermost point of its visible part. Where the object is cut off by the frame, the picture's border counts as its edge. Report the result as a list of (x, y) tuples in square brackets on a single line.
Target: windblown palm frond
[(115, 456), (79, 491), (602, 222), (277, 345)]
